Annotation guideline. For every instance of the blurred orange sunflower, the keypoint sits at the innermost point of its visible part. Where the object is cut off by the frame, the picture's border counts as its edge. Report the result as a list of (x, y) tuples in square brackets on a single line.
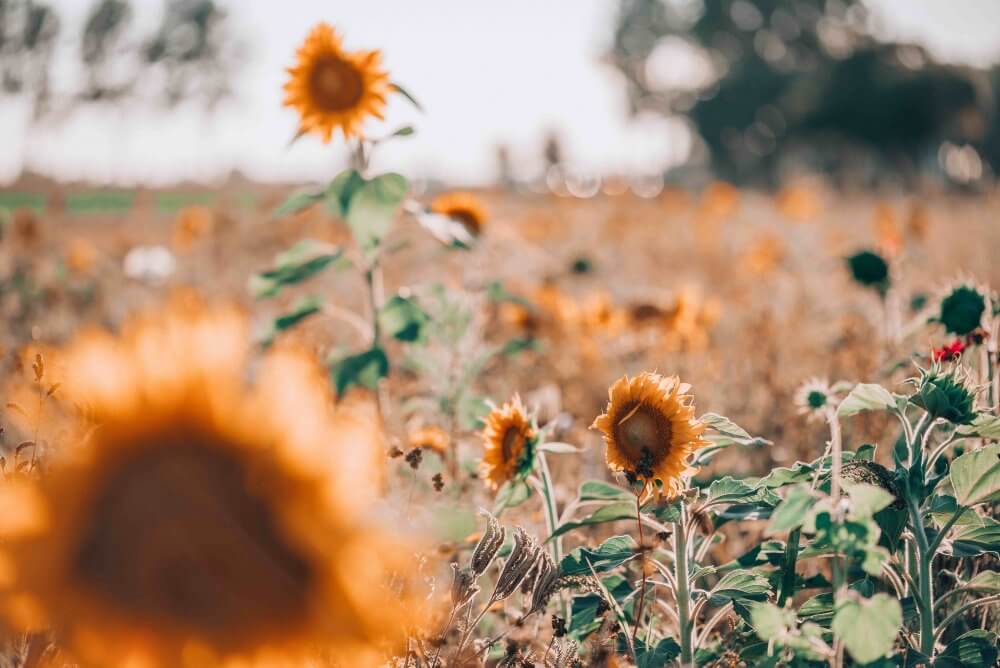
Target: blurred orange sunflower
[(203, 522), (508, 438), (434, 439), (332, 88), (464, 208), (650, 429)]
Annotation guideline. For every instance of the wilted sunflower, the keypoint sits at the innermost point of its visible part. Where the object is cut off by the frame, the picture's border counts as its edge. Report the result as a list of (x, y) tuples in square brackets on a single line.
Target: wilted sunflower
[(434, 439), (650, 429), (464, 208), (508, 439), (962, 309), (198, 521), (332, 88)]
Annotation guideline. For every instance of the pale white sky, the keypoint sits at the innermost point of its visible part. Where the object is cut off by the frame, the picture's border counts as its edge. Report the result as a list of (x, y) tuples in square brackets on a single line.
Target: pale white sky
[(488, 72)]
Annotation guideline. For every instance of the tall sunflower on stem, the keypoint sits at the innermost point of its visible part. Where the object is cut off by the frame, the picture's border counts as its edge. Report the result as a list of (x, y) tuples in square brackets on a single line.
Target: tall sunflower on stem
[(651, 432)]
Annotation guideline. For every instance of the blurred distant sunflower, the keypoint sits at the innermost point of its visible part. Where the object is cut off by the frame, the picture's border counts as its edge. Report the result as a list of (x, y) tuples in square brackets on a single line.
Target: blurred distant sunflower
[(434, 439), (814, 398), (508, 439), (192, 224), (202, 522), (650, 429), (464, 208), (332, 88)]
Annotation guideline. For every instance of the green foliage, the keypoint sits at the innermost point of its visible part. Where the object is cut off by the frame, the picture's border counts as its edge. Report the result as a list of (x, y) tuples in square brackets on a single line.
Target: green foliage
[(621, 510), (372, 208), (975, 476), (302, 309), (402, 319), (613, 552), (657, 655), (866, 397), (740, 585), (970, 650), (868, 627), (364, 369), (299, 263), (511, 494)]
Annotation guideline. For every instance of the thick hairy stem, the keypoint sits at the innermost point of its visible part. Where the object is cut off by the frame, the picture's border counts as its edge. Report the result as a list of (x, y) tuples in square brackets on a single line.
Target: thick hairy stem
[(683, 588), (924, 559)]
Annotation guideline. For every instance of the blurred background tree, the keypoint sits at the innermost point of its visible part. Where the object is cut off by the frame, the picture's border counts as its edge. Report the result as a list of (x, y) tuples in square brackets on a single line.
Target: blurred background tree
[(187, 55), (770, 85)]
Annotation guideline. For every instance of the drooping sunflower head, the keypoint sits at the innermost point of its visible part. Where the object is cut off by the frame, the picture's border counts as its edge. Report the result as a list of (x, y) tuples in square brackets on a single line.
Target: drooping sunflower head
[(199, 521), (464, 208), (650, 429), (335, 89), (509, 442), (434, 439), (814, 398)]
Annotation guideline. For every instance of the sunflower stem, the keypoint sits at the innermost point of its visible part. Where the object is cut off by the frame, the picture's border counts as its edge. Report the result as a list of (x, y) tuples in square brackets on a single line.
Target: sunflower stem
[(552, 519), (683, 592)]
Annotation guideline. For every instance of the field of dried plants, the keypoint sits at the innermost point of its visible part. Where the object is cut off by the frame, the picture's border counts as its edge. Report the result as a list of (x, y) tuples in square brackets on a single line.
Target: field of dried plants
[(367, 424)]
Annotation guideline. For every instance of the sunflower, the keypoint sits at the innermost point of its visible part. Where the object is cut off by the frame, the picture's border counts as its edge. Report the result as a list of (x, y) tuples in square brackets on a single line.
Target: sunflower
[(508, 439), (434, 439), (814, 398), (198, 521), (332, 88), (192, 224), (650, 429), (464, 208)]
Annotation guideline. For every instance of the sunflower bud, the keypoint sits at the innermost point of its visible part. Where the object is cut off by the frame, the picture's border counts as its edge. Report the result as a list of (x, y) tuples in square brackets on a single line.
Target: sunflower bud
[(870, 269), (962, 310), (521, 559), (488, 546), (945, 396)]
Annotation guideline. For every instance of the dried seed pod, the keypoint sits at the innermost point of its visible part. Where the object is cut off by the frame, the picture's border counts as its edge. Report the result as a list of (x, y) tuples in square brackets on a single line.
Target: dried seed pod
[(463, 586), (545, 583), (521, 559), (486, 549), (565, 653)]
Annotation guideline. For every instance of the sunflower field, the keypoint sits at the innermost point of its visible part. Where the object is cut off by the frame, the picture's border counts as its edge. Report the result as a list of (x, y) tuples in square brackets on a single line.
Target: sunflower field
[(370, 423)]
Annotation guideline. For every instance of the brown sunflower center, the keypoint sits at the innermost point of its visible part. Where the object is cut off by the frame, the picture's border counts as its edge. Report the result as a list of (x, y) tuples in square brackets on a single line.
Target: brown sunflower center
[(644, 434), (176, 536), (335, 84), (467, 219), (511, 444)]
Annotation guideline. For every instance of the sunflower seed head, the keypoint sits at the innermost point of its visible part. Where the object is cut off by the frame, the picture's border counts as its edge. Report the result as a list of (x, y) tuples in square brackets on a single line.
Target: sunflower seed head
[(521, 559), (463, 586), (489, 544)]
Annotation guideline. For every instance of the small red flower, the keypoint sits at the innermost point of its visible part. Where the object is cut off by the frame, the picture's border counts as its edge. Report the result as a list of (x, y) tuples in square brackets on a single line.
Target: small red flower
[(949, 351)]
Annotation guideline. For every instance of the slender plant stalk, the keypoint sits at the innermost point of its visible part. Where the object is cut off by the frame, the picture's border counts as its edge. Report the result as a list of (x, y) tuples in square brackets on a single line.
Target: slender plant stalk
[(552, 522), (683, 587), (642, 567)]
